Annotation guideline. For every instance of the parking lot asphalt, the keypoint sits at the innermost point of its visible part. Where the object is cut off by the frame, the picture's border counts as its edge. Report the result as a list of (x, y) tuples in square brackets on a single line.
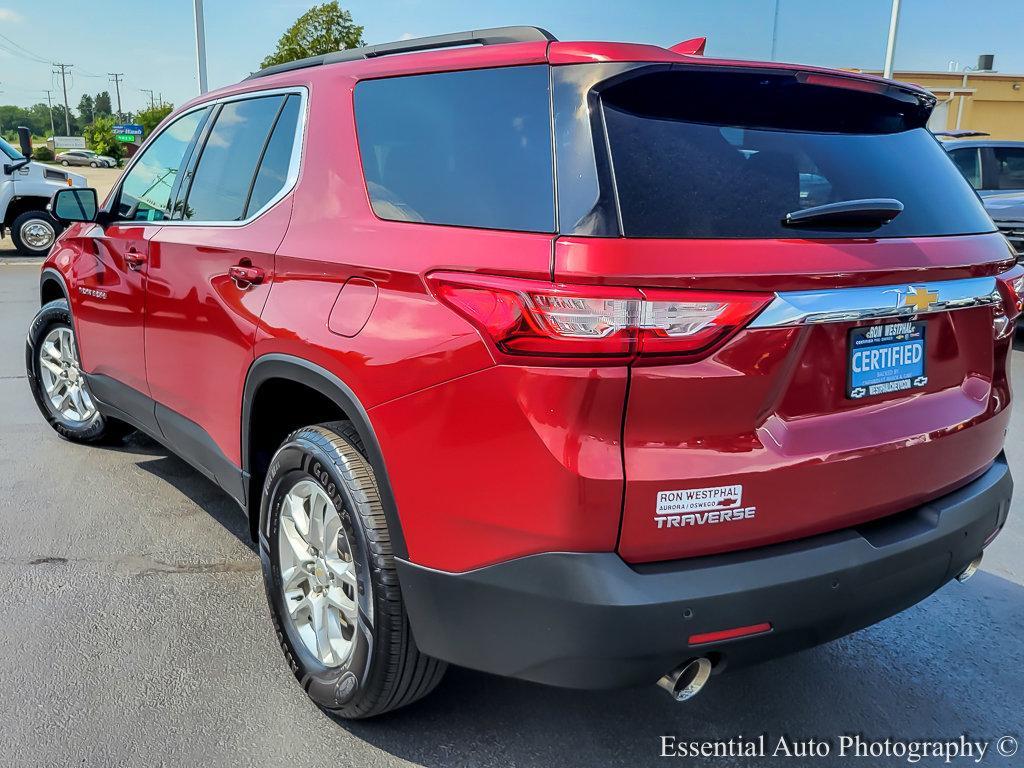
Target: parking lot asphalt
[(134, 631)]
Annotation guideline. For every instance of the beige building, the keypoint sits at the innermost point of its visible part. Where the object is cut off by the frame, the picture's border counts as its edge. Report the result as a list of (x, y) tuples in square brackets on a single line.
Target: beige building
[(978, 101)]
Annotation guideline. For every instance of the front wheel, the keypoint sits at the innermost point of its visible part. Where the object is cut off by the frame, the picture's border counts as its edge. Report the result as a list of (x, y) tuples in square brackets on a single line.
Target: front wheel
[(65, 163), (330, 578), (34, 233), (55, 375)]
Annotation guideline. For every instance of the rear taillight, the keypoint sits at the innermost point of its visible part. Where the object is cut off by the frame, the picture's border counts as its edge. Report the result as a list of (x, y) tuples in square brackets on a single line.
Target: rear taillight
[(1011, 288), (540, 319)]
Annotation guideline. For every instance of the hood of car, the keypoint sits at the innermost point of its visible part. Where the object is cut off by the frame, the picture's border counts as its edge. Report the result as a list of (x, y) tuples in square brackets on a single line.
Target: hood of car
[(1005, 207)]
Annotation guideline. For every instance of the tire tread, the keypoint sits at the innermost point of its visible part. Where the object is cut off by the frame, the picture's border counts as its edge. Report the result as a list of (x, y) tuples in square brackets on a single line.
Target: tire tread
[(408, 675)]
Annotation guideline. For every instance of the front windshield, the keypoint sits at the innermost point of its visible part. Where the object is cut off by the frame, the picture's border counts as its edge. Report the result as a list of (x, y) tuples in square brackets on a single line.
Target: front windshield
[(10, 151)]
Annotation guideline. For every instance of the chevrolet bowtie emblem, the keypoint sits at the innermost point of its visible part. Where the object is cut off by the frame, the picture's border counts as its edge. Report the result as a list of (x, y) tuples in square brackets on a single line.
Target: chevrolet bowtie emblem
[(920, 298)]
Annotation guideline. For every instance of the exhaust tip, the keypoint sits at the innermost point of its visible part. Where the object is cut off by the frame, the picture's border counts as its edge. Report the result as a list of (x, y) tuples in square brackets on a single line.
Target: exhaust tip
[(970, 570), (686, 681)]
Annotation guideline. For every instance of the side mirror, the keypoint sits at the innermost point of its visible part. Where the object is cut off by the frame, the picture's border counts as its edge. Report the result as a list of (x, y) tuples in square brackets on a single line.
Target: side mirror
[(71, 205), (25, 139)]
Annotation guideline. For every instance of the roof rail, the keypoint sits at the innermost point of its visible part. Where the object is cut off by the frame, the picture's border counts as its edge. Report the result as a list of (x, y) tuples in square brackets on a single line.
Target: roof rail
[(495, 36)]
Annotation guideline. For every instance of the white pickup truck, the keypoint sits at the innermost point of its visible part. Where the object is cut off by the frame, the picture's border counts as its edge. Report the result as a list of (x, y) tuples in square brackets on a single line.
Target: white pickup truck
[(25, 190)]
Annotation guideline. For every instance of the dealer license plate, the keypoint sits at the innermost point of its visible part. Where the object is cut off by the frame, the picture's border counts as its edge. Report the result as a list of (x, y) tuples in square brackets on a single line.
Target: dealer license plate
[(886, 358)]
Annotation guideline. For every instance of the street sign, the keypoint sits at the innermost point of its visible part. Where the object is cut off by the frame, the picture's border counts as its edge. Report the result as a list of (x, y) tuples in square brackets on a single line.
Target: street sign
[(125, 139), (69, 142), (128, 129)]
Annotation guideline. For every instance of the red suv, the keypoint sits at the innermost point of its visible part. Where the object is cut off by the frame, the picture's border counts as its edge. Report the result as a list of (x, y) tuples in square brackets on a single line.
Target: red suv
[(590, 364)]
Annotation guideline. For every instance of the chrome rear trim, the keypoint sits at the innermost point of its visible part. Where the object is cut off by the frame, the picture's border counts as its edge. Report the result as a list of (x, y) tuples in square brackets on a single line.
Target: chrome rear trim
[(847, 305)]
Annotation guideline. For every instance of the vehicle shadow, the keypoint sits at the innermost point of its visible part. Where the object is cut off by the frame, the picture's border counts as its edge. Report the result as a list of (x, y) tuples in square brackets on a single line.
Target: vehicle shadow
[(164, 464), (949, 666)]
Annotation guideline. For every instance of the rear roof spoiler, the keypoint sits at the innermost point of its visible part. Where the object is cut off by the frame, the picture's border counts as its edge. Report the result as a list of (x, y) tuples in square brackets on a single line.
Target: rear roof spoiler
[(693, 47), (494, 36), (959, 134)]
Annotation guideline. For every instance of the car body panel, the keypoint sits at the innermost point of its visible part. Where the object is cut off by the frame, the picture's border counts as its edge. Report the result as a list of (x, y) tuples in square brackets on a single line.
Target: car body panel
[(108, 297), (198, 320)]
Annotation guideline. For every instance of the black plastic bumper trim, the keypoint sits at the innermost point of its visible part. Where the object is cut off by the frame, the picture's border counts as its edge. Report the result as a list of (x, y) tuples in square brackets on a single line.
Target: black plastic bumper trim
[(589, 620)]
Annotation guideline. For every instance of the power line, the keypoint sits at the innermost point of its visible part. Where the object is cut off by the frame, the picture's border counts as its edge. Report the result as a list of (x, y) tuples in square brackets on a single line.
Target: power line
[(152, 103), (26, 53)]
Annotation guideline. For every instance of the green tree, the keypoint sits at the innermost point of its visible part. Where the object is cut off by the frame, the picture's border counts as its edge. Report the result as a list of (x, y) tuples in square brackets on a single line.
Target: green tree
[(41, 119), (322, 29), (86, 109), (100, 137), (58, 120), (101, 104), (150, 118)]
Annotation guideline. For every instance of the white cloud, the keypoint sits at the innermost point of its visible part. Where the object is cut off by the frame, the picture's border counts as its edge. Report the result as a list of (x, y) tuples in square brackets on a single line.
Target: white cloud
[(407, 36), (6, 14)]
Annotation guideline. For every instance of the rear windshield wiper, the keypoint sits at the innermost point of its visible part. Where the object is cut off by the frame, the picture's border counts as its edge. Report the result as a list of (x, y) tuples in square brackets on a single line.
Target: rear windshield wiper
[(862, 213)]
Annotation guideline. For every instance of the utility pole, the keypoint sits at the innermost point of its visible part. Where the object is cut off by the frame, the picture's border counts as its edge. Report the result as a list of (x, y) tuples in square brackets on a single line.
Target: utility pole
[(152, 103), (49, 103), (160, 98), (775, 29), (115, 78), (200, 45), (890, 45), (64, 82)]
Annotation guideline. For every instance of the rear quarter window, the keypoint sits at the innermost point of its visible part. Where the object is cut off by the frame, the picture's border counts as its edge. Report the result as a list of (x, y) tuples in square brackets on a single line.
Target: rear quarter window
[(468, 148)]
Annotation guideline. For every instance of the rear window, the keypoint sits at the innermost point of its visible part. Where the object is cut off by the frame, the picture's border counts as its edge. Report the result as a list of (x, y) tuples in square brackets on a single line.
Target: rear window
[(1009, 167), (687, 162), (468, 148)]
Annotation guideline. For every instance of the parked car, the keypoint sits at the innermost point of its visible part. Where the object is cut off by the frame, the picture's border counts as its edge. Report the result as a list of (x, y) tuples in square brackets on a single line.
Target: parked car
[(992, 167), (86, 157), (487, 403), (25, 190), (1007, 211)]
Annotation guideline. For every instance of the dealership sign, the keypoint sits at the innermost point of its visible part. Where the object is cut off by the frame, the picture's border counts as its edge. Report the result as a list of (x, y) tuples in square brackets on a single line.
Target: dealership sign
[(128, 133), (69, 142)]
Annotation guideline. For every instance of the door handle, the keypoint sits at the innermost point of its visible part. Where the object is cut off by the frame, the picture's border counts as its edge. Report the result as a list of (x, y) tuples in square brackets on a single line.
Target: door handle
[(134, 260), (245, 275)]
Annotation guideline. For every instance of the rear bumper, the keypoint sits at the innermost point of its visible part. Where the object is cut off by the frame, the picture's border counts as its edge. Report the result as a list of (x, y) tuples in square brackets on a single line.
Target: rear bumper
[(589, 620)]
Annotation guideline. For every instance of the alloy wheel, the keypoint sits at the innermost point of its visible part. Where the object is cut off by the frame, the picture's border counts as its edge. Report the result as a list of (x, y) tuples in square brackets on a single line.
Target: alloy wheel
[(62, 377), (318, 577)]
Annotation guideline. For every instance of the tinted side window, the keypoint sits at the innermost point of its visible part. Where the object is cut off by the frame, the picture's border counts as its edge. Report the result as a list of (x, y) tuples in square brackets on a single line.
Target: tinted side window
[(273, 172), (223, 177), (968, 161), (1009, 164), (467, 148), (146, 189)]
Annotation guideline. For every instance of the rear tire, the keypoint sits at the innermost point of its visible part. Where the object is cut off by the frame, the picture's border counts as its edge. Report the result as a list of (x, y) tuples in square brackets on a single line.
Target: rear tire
[(372, 664), (54, 374)]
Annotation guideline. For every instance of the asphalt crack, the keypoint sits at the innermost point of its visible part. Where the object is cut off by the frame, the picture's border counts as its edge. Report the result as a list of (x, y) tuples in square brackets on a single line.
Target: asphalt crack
[(150, 566)]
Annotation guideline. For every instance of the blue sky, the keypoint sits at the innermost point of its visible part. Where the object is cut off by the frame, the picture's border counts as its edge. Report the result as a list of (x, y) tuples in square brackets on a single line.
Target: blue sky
[(151, 41)]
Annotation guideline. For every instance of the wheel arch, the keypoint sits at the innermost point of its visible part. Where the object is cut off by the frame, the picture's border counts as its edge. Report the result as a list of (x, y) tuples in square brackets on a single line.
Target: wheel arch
[(52, 286), (277, 367), (20, 204)]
